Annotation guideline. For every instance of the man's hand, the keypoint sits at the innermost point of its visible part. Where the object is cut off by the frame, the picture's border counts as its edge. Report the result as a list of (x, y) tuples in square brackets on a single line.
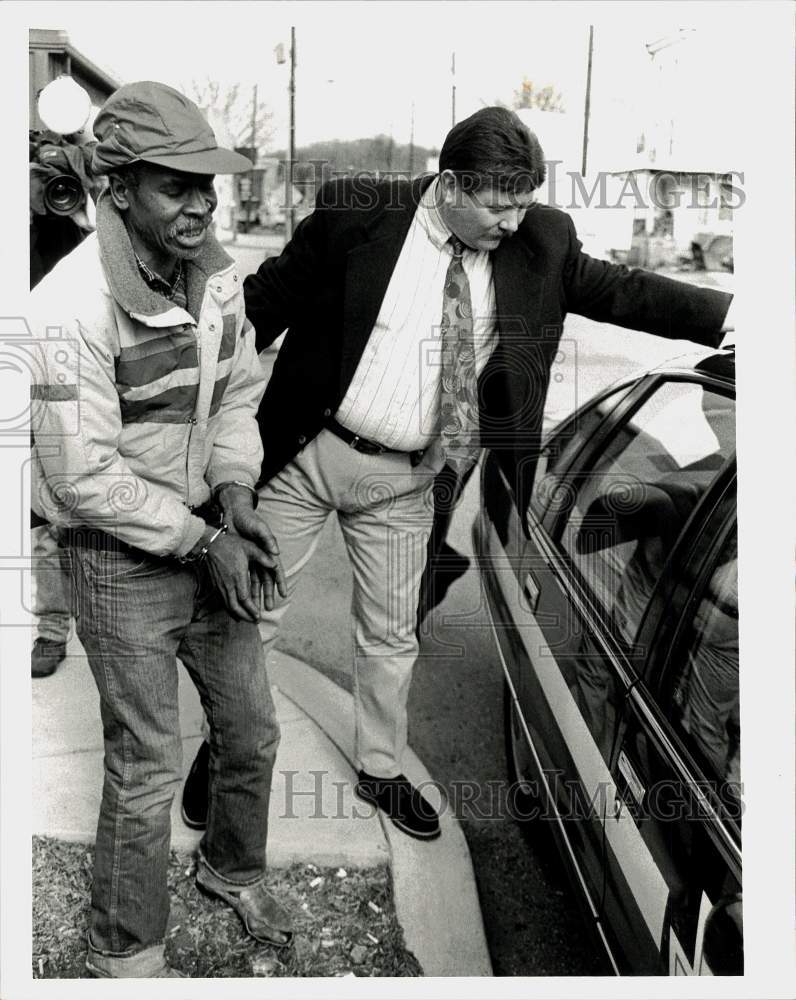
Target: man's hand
[(239, 569), (237, 504)]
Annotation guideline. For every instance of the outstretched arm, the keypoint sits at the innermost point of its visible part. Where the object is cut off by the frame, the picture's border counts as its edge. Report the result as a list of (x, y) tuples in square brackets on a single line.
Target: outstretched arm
[(642, 300)]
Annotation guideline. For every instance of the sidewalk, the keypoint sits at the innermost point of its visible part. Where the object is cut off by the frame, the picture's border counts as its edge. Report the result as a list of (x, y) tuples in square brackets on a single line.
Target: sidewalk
[(314, 814)]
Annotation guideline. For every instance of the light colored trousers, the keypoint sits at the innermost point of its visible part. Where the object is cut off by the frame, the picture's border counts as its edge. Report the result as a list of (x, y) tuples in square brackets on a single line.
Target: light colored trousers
[(385, 508), (52, 586)]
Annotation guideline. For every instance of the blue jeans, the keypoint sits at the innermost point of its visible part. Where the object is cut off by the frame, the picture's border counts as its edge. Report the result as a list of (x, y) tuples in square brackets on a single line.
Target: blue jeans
[(135, 615)]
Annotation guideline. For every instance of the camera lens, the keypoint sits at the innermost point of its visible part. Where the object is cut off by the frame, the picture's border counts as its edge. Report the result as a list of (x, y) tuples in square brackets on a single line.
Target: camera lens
[(63, 195)]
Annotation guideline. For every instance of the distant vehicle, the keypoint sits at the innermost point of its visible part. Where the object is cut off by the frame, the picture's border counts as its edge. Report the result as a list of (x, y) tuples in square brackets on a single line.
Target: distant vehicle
[(271, 218), (613, 601)]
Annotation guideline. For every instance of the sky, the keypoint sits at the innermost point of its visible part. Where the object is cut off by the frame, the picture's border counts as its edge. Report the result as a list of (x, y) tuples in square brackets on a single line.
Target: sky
[(362, 66)]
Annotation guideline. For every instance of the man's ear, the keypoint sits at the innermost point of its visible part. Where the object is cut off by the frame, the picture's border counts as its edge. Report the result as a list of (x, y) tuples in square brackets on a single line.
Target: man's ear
[(447, 183), (119, 192)]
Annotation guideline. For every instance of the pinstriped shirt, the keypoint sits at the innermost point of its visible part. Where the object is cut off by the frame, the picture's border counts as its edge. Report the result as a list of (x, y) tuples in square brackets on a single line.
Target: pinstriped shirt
[(394, 396)]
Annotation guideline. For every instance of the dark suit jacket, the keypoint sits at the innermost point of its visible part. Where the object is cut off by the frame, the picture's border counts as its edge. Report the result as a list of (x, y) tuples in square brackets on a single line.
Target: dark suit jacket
[(327, 286)]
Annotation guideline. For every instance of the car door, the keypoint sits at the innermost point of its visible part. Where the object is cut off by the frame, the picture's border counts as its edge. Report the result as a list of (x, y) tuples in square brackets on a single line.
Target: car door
[(586, 577), (678, 769), (511, 566)]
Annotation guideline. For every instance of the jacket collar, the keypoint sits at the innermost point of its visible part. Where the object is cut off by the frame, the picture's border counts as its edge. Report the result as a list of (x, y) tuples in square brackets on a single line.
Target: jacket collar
[(397, 210), (128, 287)]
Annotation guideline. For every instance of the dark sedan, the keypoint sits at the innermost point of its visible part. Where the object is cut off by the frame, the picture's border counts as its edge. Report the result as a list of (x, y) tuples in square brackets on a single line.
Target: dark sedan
[(614, 604)]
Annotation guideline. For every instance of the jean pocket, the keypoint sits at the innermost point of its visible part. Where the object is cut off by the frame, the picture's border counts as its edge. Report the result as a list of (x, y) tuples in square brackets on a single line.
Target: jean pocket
[(111, 565)]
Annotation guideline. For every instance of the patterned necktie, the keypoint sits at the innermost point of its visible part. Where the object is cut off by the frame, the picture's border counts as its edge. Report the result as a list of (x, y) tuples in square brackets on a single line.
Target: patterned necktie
[(459, 398)]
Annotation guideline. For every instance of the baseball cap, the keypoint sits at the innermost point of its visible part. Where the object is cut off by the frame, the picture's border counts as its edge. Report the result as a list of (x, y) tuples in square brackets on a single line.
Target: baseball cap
[(153, 123)]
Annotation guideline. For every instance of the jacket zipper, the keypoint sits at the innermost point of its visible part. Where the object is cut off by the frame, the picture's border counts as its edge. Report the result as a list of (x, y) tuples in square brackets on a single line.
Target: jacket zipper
[(192, 422)]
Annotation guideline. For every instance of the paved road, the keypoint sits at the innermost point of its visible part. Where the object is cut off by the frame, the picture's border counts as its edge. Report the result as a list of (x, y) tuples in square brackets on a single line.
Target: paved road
[(532, 921)]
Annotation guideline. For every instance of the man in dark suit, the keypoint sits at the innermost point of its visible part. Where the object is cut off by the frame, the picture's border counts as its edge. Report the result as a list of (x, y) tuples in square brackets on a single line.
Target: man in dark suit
[(422, 321)]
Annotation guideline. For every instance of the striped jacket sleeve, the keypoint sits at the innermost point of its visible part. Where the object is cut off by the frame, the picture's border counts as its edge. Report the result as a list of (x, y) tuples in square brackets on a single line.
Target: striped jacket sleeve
[(76, 420), (237, 451)]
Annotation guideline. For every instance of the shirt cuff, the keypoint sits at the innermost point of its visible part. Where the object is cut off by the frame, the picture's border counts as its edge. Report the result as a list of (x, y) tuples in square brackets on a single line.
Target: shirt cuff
[(194, 529), (229, 474)]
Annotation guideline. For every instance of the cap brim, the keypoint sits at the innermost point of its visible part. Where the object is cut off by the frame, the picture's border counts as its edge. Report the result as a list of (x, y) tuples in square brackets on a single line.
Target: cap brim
[(209, 161)]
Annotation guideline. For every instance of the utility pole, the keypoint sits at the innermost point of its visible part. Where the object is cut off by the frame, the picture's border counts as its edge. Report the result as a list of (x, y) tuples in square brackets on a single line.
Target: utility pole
[(291, 146), (390, 147), (453, 89), (254, 160), (588, 102), (412, 143)]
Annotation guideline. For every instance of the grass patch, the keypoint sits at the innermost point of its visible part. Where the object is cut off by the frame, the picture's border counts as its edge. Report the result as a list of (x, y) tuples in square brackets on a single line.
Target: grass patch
[(344, 924)]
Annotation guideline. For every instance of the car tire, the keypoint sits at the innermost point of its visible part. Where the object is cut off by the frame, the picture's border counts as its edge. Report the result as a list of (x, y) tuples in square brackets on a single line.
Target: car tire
[(524, 796)]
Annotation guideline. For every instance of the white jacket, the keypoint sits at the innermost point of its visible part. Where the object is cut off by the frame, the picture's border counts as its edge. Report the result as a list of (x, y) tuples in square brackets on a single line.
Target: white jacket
[(138, 410)]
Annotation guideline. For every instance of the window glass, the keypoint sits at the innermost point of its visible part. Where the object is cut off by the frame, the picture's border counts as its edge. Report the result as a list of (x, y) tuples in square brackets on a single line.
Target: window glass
[(726, 192), (628, 511), (705, 702), (563, 446)]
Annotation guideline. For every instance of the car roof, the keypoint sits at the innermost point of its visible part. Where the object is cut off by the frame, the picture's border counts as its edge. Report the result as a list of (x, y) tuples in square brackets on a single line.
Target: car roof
[(718, 365)]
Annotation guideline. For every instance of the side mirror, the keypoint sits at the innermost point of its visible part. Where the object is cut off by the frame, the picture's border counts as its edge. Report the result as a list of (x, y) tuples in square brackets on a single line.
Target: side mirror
[(723, 941)]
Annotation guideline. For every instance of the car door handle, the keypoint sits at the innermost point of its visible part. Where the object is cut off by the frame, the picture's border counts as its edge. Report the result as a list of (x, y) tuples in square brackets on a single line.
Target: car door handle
[(531, 590)]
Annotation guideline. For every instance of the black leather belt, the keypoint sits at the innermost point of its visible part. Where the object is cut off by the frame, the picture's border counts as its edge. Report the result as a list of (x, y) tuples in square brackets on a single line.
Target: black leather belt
[(369, 447), (355, 441)]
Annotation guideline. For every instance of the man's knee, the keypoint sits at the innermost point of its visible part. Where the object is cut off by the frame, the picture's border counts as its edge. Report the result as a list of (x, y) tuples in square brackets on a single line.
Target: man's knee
[(254, 734), (145, 774)]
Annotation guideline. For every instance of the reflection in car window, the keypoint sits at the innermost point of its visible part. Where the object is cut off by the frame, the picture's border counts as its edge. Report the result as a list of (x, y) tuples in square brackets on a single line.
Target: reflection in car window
[(630, 509), (705, 702), (564, 445)]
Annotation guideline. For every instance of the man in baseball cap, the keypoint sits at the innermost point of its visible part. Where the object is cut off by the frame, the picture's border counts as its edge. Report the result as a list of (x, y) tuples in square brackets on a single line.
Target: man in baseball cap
[(160, 156), (147, 454)]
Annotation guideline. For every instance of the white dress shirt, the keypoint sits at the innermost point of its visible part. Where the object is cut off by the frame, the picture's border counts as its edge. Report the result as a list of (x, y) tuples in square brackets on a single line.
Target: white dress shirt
[(393, 398)]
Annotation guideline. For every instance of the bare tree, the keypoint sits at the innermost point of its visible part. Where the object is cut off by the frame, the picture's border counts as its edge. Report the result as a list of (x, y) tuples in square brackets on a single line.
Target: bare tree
[(543, 98), (234, 104)]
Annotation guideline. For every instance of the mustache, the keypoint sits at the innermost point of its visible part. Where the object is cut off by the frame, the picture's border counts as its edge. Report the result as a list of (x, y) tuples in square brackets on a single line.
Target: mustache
[(190, 228)]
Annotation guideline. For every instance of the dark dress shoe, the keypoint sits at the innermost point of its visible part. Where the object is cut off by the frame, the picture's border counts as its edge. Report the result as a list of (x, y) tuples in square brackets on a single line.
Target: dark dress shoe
[(401, 801), (46, 656), (263, 917), (196, 789)]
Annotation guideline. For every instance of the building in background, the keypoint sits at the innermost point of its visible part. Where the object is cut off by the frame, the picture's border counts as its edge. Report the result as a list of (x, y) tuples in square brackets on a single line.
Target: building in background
[(50, 55), (663, 152), (686, 154), (686, 218)]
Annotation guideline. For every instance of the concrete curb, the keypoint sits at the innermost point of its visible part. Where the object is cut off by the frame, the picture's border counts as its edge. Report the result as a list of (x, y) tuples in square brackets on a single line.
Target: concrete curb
[(435, 894), (67, 775)]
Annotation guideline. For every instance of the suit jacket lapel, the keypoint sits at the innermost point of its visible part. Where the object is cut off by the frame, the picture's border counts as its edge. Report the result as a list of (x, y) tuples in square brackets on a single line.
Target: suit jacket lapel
[(510, 382), (369, 267), (518, 283)]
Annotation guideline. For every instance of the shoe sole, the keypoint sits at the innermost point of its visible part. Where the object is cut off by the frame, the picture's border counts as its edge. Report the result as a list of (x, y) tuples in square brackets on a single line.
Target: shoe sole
[(43, 673), (398, 823), (213, 894)]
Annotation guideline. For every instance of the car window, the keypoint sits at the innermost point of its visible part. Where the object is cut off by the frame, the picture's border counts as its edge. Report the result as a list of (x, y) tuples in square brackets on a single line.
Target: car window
[(564, 444), (704, 704), (629, 509)]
